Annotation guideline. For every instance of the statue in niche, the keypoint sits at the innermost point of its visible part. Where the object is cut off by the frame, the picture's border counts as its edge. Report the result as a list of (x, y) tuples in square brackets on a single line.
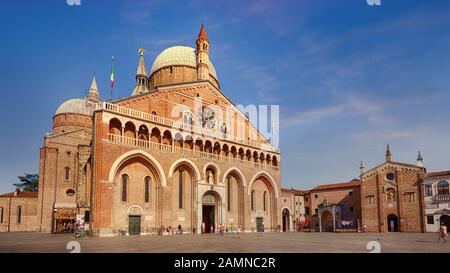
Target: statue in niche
[(390, 196), (210, 177)]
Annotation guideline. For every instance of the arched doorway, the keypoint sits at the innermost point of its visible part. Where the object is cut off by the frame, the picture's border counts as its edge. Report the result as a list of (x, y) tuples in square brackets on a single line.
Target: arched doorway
[(134, 220), (286, 216), (327, 221), (210, 212), (445, 219), (392, 221)]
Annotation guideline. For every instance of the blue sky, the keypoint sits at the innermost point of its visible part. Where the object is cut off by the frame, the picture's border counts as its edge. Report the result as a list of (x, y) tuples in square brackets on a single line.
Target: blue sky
[(349, 78)]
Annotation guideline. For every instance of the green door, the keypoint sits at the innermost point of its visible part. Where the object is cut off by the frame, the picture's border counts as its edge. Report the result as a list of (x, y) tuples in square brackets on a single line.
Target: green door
[(259, 223), (134, 227)]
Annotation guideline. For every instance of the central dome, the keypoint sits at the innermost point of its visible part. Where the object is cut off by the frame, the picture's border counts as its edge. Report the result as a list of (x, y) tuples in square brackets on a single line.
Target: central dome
[(179, 56)]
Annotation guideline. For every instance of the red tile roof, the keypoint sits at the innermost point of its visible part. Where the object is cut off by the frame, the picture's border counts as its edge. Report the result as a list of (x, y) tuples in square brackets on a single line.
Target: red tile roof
[(21, 194), (437, 174), (294, 191), (353, 183)]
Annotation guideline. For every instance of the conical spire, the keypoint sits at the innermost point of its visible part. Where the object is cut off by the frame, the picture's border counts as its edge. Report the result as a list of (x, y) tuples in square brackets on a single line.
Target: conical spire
[(93, 91), (202, 34), (141, 76), (141, 71), (388, 153)]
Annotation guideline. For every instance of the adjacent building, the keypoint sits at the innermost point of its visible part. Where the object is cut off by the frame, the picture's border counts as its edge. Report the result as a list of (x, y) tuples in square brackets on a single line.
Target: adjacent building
[(437, 200), (391, 196), (18, 211)]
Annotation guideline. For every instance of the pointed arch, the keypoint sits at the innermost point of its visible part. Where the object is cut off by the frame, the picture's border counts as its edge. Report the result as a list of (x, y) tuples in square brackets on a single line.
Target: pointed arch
[(238, 172), (186, 161), (268, 177), (136, 153)]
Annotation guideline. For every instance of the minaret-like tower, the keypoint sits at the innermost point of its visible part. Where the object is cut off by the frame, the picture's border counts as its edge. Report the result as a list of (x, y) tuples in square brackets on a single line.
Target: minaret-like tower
[(141, 76), (202, 55), (361, 168), (93, 92), (419, 160), (388, 154)]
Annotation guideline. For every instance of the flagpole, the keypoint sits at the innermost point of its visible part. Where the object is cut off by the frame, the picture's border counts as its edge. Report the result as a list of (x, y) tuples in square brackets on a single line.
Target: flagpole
[(112, 79)]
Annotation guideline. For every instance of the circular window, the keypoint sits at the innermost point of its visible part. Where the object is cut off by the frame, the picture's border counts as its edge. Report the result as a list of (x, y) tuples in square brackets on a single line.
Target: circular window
[(390, 176), (70, 192)]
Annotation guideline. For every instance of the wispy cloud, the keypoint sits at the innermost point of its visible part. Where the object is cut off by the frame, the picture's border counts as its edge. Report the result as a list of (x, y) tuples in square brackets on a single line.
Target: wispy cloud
[(350, 105), (263, 80)]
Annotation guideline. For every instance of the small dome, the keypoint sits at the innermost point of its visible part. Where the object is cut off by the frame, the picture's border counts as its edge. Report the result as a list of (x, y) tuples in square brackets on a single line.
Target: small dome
[(76, 106), (179, 55)]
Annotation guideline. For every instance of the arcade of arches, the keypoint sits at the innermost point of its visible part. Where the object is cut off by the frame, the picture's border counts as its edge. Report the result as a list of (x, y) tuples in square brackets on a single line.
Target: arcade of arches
[(141, 204)]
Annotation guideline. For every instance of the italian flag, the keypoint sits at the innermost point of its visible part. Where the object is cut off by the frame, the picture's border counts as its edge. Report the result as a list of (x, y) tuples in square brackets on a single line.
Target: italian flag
[(112, 73)]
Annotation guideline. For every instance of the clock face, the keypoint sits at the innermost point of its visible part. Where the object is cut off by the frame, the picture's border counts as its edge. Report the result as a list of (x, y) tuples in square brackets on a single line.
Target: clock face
[(207, 118)]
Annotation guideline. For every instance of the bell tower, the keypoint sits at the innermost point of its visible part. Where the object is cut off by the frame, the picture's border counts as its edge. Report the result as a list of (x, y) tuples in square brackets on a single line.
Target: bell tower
[(202, 55)]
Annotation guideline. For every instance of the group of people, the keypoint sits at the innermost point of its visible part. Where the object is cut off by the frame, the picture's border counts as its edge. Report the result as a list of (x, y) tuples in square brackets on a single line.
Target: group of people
[(170, 231)]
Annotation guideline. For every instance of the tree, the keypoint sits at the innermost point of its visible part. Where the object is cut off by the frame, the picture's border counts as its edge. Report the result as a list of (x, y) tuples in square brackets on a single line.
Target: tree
[(28, 182)]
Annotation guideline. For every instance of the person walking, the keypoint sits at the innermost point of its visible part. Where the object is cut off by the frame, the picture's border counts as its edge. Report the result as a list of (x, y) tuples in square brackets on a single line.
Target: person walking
[(239, 231), (443, 233)]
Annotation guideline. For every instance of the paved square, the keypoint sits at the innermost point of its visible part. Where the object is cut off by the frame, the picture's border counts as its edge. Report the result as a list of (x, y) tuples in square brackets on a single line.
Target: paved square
[(292, 242)]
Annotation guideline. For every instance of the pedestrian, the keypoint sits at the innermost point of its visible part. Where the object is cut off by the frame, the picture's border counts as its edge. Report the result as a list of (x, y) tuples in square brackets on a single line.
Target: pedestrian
[(180, 230), (443, 233), (203, 227), (239, 230), (222, 229), (365, 228)]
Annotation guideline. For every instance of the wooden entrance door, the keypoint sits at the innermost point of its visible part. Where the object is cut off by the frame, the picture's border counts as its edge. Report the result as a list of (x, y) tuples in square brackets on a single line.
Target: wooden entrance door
[(134, 225), (259, 224)]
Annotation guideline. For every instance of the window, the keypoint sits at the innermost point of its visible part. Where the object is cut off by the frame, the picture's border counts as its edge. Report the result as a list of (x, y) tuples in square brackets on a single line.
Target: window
[(1, 215), (19, 215), (264, 200), (411, 197), (350, 193), (70, 192), (351, 209), (66, 173), (180, 189), (87, 216), (430, 220), (316, 196), (125, 179), (306, 199), (390, 176), (442, 187), (253, 200), (224, 129), (147, 189), (188, 118), (428, 190), (228, 194), (306, 211)]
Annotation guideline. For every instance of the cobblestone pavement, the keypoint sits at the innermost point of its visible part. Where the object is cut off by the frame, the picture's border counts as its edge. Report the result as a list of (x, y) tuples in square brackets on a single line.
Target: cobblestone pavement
[(268, 243)]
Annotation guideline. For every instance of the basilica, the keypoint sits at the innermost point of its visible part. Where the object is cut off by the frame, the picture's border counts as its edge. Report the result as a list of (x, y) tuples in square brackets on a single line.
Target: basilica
[(175, 152)]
